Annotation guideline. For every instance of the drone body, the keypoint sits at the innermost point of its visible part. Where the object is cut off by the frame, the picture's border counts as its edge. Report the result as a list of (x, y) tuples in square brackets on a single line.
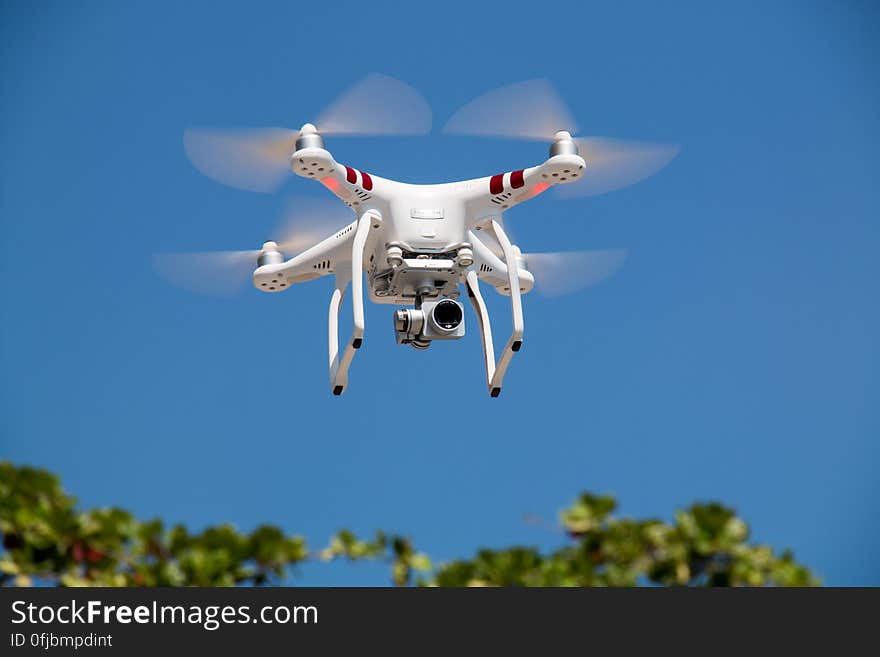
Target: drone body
[(414, 244), (417, 243)]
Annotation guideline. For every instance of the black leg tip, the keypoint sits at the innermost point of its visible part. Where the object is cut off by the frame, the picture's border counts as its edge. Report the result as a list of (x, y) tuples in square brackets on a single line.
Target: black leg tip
[(357, 342), (337, 390), (516, 345), (495, 392)]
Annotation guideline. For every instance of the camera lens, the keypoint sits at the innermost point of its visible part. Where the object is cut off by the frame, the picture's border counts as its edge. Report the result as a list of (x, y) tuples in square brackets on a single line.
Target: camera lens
[(447, 315)]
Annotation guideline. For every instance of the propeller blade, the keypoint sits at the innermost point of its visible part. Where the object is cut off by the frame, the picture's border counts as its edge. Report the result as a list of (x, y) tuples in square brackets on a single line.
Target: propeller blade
[(377, 105), (308, 220), (524, 110), (613, 164), (257, 160), (533, 110), (305, 222), (563, 273), (219, 273)]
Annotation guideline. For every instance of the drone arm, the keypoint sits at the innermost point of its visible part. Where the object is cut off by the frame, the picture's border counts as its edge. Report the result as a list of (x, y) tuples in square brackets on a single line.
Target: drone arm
[(350, 185), (322, 259), (495, 372), (504, 190)]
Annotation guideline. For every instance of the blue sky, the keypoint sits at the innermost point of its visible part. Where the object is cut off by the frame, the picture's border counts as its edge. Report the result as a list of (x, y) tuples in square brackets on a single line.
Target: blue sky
[(734, 357)]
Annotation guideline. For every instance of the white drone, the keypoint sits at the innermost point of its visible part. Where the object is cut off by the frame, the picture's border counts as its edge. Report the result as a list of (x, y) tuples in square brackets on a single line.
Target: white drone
[(416, 243)]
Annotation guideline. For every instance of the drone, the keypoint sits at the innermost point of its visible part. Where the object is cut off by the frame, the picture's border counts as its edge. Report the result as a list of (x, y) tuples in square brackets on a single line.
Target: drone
[(415, 245)]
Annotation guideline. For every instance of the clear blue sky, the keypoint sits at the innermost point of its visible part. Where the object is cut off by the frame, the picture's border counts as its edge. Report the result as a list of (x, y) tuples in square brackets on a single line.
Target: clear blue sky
[(734, 357)]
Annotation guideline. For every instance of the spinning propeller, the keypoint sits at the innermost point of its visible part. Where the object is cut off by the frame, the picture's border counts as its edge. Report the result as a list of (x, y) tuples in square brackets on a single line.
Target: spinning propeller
[(305, 222), (563, 272), (533, 110), (570, 271), (259, 159)]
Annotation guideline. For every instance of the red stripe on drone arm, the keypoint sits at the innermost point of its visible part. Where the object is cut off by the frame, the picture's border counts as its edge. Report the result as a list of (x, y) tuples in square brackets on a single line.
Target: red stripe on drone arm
[(351, 175), (496, 184), (366, 181), (516, 179)]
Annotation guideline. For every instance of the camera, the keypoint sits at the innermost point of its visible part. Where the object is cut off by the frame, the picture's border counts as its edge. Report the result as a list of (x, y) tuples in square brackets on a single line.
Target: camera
[(434, 320)]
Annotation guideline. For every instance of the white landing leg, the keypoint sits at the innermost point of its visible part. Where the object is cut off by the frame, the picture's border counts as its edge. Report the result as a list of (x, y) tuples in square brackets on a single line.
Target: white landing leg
[(355, 276), (495, 373)]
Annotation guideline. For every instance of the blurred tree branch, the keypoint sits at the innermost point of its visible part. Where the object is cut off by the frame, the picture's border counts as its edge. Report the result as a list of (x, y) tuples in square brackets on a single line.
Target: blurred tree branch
[(48, 539)]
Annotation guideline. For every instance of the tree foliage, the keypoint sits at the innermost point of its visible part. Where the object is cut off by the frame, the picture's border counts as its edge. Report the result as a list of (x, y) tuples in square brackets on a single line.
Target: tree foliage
[(48, 539), (706, 545)]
